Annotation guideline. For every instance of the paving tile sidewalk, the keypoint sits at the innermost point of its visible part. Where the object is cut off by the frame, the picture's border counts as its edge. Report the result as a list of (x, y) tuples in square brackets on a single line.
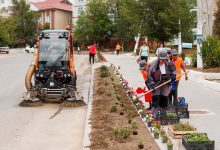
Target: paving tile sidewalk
[(197, 95)]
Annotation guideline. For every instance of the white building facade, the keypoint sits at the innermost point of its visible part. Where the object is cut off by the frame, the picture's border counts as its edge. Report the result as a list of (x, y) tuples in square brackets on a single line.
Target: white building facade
[(5, 8), (205, 16), (78, 7)]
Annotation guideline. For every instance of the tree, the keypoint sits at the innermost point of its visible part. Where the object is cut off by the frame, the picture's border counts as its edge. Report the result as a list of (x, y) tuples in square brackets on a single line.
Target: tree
[(94, 23), (125, 22), (160, 19), (107, 19), (216, 25), (210, 52), (25, 22), (6, 31)]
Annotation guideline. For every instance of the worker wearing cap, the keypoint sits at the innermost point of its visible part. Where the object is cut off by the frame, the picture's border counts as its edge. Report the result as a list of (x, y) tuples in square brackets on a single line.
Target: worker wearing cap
[(179, 66), (160, 71), (143, 67)]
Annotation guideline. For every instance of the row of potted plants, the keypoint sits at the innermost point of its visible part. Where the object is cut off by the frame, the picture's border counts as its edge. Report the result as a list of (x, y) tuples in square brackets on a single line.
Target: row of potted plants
[(178, 130), (147, 117)]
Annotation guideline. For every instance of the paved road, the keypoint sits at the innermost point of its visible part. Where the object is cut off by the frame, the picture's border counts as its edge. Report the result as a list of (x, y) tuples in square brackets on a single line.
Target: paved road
[(32, 128), (196, 94)]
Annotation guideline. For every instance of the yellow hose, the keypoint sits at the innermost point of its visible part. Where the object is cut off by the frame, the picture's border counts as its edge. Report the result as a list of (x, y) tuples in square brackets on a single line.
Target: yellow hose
[(28, 77)]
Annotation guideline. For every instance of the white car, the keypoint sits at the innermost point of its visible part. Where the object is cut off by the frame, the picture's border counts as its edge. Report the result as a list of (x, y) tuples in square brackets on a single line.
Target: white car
[(29, 49), (4, 48)]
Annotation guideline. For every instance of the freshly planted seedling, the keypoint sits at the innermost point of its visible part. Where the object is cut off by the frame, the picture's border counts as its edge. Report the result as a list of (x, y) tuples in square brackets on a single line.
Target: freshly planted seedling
[(122, 133), (106, 83), (109, 94), (141, 145), (118, 97), (129, 117), (134, 127), (114, 108)]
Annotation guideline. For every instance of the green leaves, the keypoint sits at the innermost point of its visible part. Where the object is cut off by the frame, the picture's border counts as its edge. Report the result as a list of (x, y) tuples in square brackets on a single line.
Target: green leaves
[(210, 52)]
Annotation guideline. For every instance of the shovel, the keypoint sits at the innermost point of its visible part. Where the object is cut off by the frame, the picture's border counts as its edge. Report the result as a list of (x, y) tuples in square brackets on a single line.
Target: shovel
[(159, 86)]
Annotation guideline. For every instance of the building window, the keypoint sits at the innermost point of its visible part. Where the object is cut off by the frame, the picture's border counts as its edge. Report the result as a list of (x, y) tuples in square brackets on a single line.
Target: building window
[(47, 19), (80, 9), (40, 20)]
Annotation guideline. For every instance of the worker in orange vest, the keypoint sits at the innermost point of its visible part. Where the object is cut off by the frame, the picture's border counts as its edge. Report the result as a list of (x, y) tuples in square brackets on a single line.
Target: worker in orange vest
[(143, 67), (178, 61)]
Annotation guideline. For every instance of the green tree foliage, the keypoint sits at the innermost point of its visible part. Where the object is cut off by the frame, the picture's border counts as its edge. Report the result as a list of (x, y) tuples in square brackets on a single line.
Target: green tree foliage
[(25, 22), (160, 19), (94, 23), (4, 36), (105, 19), (126, 23), (210, 52), (216, 25), (123, 19)]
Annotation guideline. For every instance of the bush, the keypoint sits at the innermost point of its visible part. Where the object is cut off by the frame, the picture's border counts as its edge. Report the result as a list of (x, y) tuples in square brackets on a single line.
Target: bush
[(210, 52), (194, 61), (103, 68)]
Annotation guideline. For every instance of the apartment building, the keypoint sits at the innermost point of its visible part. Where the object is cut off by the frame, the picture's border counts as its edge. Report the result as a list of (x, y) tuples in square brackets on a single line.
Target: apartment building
[(205, 16), (78, 7)]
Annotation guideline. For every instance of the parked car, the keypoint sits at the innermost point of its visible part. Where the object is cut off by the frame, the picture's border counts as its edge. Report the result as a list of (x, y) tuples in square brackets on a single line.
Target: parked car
[(29, 49), (4, 48)]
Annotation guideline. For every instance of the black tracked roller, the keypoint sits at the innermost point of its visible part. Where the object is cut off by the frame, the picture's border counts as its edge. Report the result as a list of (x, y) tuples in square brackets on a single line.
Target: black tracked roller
[(29, 103)]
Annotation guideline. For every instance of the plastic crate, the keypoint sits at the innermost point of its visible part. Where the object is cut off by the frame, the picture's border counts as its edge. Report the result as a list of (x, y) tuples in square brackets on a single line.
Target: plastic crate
[(195, 146), (183, 108), (183, 115), (168, 121)]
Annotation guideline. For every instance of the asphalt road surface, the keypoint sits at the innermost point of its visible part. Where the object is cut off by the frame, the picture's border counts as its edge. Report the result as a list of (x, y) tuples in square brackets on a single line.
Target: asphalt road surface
[(38, 128)]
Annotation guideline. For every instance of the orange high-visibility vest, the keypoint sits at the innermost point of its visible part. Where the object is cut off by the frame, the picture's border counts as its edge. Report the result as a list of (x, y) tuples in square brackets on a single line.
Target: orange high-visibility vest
[(178, 63)]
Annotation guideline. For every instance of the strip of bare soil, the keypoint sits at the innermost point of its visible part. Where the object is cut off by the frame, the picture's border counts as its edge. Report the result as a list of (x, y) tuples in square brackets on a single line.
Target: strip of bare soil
[(107, 93)]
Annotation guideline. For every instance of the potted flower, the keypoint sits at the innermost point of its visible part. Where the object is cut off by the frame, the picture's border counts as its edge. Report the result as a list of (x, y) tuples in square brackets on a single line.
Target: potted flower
[(156, 134), (149, 121), (164, 138), (169, 145), (162, 132), (143, 112)]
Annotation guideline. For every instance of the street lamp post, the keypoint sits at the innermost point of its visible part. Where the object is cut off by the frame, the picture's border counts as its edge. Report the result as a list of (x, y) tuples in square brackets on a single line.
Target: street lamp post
[(180, 39)]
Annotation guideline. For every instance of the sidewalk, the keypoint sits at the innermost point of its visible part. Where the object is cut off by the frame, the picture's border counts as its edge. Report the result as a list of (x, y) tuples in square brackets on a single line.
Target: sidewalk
[(197, 95)]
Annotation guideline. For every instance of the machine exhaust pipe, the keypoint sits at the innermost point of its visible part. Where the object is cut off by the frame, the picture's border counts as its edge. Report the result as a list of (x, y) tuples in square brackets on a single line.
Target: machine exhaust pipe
[(28, 77)]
